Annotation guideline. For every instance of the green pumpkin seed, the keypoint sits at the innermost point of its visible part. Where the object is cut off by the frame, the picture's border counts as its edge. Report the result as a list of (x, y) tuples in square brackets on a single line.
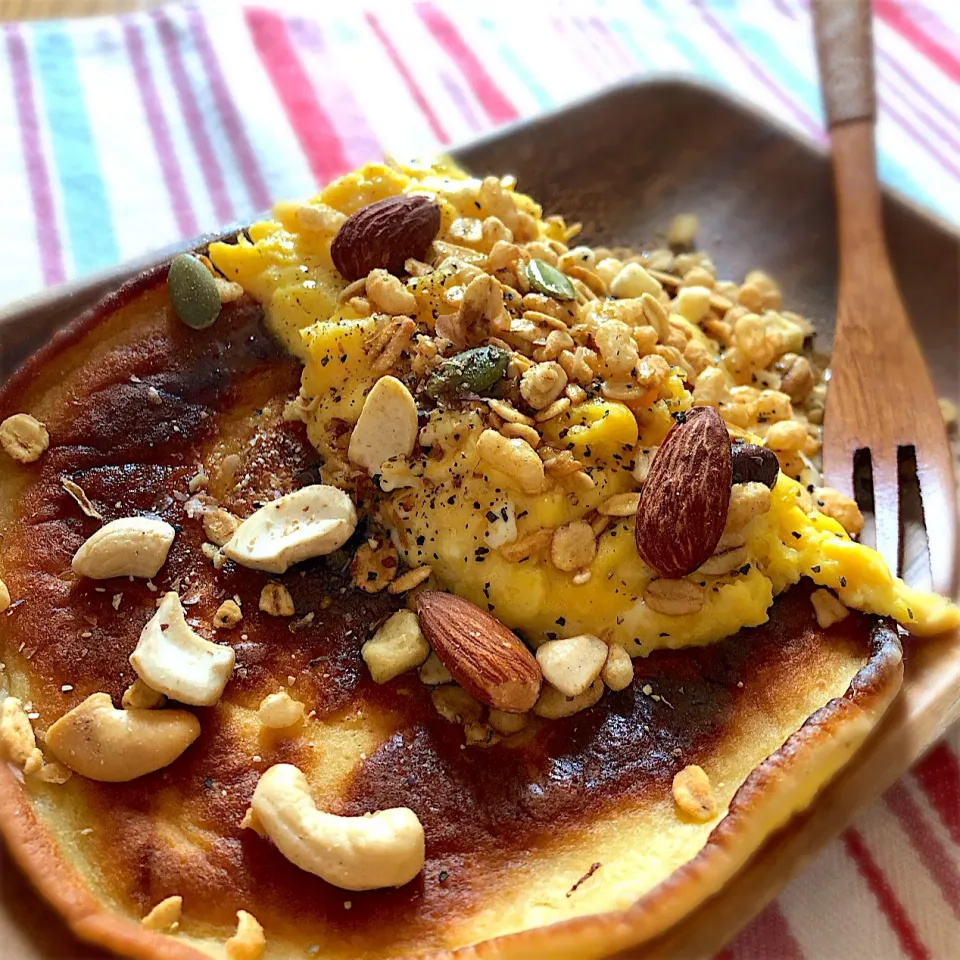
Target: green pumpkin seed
[(550, 280), (193, 293), (472, 371)]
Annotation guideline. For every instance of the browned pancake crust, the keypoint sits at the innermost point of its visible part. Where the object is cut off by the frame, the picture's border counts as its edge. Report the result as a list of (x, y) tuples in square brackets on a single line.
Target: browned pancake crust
[(133, 454)]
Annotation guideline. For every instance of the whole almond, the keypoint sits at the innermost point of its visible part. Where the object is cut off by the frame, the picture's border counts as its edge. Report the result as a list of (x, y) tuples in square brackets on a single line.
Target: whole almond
[(482, 655), (385, 234), (683, 505)]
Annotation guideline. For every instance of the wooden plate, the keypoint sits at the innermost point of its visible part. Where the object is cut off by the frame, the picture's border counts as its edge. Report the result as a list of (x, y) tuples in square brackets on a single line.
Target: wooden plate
[(624, 163)]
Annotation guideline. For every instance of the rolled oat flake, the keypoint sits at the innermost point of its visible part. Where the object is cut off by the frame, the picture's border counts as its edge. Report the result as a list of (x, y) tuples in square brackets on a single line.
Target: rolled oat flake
[(193, 293)]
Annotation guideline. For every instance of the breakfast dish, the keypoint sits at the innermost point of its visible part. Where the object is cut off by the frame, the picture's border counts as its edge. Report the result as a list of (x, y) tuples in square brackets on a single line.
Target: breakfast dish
[(400, 578)]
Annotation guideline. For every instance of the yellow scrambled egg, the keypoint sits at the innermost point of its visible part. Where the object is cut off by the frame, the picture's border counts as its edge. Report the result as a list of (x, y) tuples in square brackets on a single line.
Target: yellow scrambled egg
[(453, 512)]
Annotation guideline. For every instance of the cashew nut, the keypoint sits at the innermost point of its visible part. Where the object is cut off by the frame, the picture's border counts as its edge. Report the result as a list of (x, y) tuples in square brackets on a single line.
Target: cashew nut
[(100, 742), (129, 547), (310, 522), (173, 660), (383, 849)]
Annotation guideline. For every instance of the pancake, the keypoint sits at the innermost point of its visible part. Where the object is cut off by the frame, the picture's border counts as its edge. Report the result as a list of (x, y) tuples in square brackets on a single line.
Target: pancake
[(562, 842)]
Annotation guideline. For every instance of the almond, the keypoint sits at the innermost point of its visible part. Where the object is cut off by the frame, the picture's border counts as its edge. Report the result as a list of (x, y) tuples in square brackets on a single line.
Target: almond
[(684, 501), (482, 655), (385, 234)]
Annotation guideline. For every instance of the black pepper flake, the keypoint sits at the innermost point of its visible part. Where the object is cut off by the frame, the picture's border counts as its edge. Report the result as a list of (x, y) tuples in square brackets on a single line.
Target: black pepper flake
[(491, 516), (561, 621), (664, 634), (816, 569), (208, 782), (843, 581), (745, 569), (909, 613), (795, 535), (443, 876)]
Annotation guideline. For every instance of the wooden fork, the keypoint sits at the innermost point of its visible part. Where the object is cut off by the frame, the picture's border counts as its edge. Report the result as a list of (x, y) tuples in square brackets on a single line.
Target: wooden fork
[(880, 400)]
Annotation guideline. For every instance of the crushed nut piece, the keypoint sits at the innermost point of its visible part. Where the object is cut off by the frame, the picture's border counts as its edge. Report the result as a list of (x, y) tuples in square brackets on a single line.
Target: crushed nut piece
[(249, 942), (24, 437), (17, 741), (80, 496), (617, 672), (229, 614), (278, 711), (828, 608), (398, 646), (164, 915), (276, 601), (694, 795), (374, 565)]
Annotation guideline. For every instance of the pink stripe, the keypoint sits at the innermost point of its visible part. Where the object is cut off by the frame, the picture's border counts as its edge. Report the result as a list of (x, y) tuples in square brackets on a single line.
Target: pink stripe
[(938, 862), (38, 176), (157, 122), (812, 129), (938, 774), (931, 147), (890, 906), (767, 935), (890, 62), (411, 84), (229, 114), (904, 23), (349, 119), (496, 106), (305, 114), (209, 165)]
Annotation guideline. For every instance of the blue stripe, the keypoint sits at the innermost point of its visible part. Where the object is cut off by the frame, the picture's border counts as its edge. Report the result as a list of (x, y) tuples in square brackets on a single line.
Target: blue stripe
[(698, 63), (514, 60), (627, 39), (86, 208), (788, 76)]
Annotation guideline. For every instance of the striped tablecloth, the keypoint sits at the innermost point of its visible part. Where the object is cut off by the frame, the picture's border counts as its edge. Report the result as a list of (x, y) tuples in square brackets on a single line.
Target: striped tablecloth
[(121, 135)]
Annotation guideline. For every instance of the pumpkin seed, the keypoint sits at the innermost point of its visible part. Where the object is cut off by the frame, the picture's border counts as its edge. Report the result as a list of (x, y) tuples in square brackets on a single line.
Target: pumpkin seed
[(193, 293), (549, 280), (472, 371)]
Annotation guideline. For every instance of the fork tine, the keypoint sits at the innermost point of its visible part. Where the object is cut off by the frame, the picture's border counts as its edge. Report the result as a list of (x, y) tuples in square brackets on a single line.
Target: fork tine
[(886, 505), (938, 496), (837, 465)]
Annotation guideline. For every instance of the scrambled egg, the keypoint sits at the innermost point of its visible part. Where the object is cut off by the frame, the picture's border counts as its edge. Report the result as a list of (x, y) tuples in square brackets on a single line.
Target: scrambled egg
[(452, 511)]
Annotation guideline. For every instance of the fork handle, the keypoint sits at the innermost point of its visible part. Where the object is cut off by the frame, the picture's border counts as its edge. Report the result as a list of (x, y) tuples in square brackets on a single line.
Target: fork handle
[(845, 50)]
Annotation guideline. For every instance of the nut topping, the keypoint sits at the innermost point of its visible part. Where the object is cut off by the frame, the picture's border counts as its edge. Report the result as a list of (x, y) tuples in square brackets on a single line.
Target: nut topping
[(131, 546), (483, 656), (385, 234), (684, 501), (753, 464)]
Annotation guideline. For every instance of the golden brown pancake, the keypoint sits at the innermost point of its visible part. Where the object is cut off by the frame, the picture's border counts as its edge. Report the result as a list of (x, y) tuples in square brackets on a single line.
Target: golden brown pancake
[(563, 843)]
